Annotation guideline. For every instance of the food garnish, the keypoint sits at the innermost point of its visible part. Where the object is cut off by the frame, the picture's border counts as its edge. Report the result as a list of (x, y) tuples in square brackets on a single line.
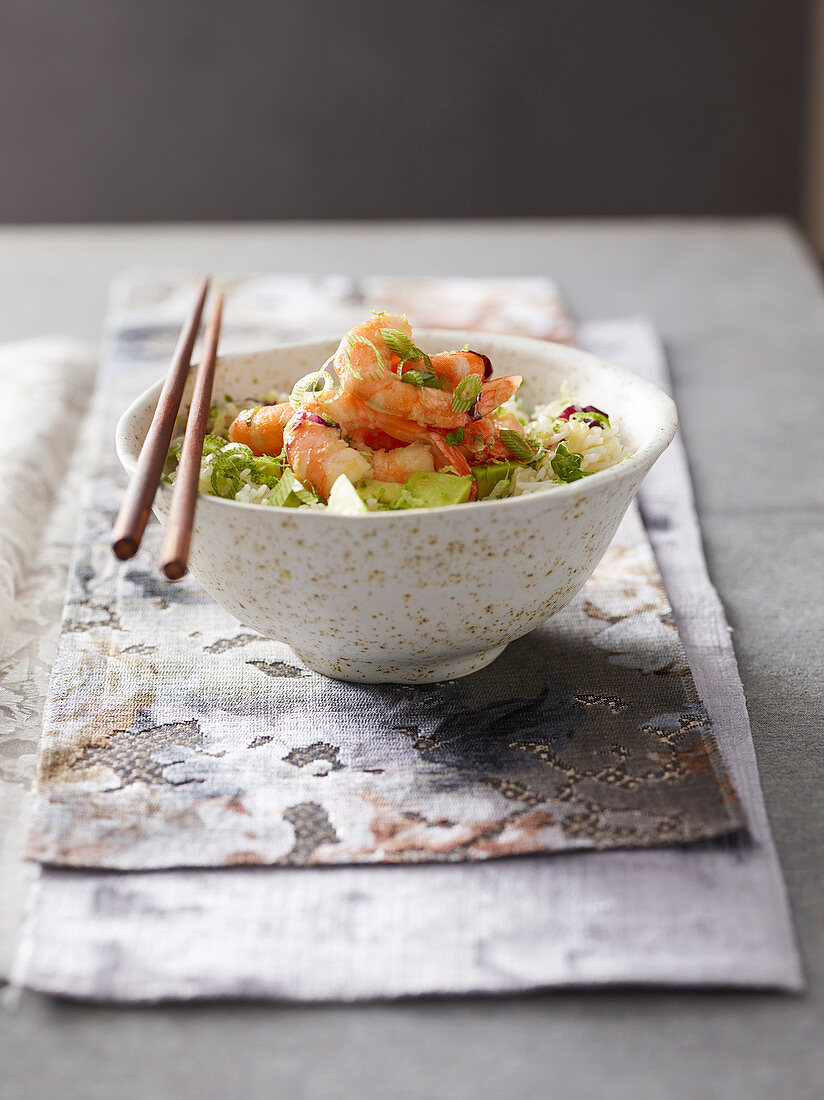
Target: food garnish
[(566, 465)]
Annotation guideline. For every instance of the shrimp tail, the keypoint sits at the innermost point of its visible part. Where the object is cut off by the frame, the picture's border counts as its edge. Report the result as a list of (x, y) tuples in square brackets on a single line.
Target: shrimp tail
[(496, 392), (447, 455)]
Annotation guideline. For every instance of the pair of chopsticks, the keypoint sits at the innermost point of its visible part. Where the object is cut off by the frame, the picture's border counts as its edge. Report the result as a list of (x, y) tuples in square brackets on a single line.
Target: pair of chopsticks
[(134, 512)]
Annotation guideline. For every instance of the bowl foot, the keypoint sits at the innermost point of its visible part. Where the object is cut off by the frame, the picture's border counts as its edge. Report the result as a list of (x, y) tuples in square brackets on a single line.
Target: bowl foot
[(400, 672)]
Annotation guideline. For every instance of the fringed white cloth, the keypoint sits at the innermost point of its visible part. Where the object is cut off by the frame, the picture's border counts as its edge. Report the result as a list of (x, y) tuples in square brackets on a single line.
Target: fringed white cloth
[(45, 388)]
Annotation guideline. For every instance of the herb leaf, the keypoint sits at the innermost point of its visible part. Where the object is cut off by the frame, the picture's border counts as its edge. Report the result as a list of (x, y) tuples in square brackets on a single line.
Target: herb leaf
[(566, 465), (454, 439), (518, 446), (466, 393)]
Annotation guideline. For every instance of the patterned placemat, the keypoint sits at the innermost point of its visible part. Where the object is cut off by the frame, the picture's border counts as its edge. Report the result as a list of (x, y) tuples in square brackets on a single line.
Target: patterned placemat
[(707, 914), (175, 737)]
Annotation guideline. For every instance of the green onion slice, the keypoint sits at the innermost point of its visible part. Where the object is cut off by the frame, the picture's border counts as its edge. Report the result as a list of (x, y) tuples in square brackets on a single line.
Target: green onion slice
[(421, 379), (402, 346), (517, 445), (466, 393), (351, 341), (311, 384)]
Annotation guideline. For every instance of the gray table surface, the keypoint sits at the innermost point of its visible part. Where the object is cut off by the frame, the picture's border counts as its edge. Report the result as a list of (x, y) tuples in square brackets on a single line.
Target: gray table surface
[(741, 307)]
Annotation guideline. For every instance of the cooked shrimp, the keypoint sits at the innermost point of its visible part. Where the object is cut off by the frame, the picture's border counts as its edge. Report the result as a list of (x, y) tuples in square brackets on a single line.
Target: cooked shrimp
[(367, 369), (482, 438), (402, 462), (448, 455), (262, 428), (454, 366), (495, 392), (509, 420), (318, 455), (363, 354), (482, 442), (356, 418), (373, 440)]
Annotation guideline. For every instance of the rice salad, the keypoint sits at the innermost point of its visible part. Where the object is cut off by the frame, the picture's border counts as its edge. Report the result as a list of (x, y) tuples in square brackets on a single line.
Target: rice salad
[(563, 441), (572, 441), (394, 428), (231, 470)]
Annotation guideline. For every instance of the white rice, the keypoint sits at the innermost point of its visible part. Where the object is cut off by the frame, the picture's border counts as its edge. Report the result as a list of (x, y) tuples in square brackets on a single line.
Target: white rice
[(600, 446)]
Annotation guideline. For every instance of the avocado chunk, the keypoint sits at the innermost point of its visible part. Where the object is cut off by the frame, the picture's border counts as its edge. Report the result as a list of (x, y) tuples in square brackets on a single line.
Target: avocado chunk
[(385, 493), (423, 490), (487, 477), (434, 490)]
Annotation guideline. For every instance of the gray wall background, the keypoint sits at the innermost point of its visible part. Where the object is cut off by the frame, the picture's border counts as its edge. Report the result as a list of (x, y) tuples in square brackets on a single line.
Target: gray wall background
[(116, 110)]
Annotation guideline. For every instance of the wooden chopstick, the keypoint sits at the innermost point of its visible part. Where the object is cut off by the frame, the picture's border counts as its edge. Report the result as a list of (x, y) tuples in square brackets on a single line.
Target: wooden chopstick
[(134, 512), (174, 557)]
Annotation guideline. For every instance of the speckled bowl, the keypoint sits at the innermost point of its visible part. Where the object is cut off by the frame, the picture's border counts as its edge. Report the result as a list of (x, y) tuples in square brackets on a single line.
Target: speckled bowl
[(429, 594)]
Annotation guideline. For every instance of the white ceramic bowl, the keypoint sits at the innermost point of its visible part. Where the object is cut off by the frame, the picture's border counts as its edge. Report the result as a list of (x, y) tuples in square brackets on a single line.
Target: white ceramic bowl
[(427, 594)]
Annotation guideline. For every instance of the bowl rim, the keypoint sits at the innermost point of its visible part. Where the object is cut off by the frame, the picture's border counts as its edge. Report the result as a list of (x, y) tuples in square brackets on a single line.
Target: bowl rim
[(640, 461)]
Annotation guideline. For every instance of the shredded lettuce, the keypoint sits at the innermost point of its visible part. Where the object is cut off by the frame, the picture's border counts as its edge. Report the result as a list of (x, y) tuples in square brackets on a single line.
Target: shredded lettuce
[(502, 488), (290, 493), (211, 444), (228, 467)]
